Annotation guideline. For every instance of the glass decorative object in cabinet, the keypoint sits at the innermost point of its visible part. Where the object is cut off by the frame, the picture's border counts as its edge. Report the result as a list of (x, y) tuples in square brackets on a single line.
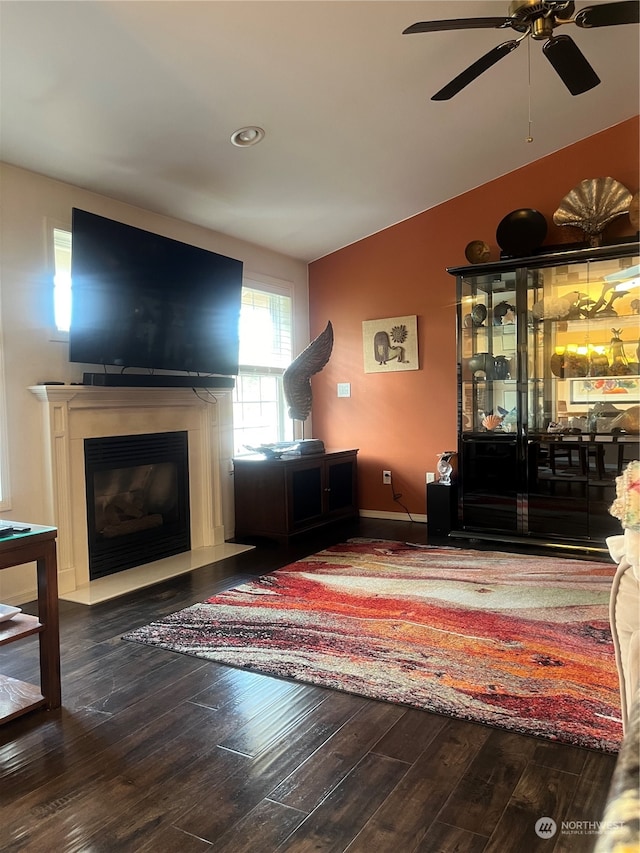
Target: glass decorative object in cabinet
[(501, 367), (619, 365), (587, 321), (476, 316), (482, 364)]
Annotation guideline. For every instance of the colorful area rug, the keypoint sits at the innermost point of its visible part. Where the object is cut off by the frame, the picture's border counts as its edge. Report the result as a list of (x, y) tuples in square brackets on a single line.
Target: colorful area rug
[(513, 641)]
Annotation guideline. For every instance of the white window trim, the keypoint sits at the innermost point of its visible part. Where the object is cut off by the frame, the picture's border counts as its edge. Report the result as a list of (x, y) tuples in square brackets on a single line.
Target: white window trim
[(280, 287), (50, 224), (285, 288), (257, 281), (268, 283), (256, 368)]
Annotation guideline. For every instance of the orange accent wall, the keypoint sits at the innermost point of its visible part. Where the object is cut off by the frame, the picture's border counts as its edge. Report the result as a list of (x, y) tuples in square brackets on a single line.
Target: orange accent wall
[(402, 420)]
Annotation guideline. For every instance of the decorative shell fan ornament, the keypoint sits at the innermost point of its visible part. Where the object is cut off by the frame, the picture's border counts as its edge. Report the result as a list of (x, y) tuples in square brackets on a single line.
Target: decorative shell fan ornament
[(592, 205), (634, 211), (491, 422)]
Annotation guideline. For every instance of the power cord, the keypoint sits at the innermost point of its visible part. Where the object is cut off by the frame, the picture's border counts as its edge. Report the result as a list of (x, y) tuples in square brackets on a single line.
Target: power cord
[(210, 399), (396, 496)]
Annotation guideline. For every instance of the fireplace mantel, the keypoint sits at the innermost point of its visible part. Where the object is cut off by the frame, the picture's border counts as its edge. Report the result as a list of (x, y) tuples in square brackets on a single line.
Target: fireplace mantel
[(73, 413)]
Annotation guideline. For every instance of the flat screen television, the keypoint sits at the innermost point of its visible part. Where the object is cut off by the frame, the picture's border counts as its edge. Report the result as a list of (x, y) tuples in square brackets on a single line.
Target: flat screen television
[(141, 300)]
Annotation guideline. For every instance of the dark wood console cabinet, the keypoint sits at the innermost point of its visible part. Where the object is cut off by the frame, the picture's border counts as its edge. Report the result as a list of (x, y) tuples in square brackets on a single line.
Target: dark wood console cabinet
[(279, 498)]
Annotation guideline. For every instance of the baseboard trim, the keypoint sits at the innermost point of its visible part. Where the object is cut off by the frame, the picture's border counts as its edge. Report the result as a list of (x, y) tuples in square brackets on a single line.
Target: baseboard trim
[(392, 516)]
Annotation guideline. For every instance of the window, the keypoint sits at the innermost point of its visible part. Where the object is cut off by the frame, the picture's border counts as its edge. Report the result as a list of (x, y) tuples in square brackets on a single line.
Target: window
[(259, 410), (62, 279)]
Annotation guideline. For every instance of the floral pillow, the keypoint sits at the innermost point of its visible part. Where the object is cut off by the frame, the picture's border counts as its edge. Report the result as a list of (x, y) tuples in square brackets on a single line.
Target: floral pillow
[(626, 506)]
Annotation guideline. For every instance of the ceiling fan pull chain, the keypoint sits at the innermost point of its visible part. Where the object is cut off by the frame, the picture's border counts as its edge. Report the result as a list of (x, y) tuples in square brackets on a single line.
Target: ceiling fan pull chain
[(529, 137)]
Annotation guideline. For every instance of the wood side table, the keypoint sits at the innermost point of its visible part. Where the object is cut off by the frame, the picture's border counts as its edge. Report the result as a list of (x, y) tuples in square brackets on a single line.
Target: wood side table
[(36, 544)]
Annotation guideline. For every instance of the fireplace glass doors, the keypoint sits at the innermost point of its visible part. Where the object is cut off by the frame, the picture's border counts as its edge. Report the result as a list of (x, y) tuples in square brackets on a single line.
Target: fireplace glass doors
[(137, 489)]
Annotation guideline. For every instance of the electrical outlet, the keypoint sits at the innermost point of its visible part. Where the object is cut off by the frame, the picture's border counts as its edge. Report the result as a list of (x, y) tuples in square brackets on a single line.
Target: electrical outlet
[(431, 477), (386, 478)]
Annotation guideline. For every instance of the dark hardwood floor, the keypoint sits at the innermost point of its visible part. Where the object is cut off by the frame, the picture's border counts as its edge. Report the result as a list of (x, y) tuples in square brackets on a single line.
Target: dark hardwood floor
[(156, 751)]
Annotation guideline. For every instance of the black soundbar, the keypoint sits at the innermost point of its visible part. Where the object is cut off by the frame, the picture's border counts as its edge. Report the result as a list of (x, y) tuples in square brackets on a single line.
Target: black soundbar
[(156, 380)]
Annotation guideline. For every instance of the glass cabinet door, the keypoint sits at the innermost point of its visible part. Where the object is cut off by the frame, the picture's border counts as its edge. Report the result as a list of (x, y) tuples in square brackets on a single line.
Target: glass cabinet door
[(583, 389), (549, 393), (583, 341), (488, 354)]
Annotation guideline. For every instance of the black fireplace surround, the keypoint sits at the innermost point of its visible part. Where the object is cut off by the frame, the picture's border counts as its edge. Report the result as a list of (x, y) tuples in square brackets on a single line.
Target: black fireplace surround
[(137, 490)]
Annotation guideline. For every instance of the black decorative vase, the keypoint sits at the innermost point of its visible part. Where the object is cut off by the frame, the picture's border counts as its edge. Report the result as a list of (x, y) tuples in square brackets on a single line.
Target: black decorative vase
[(521, 232), (501, 367), (482, 362)]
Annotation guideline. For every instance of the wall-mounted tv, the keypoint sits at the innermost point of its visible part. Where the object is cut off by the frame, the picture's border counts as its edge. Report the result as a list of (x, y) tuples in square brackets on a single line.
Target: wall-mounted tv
[(140, 300)]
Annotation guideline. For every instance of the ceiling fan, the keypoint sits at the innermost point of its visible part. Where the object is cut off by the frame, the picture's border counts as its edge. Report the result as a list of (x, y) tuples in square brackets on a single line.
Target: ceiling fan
[(538, 19)]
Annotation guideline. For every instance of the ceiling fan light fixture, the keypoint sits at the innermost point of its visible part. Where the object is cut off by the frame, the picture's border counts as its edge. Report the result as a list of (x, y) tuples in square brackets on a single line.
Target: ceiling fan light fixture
[(244, 137), (541, 28), (537, 20)]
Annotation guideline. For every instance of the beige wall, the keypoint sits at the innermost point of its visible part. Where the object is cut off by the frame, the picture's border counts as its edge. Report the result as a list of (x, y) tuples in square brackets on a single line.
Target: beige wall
[(30, 205)]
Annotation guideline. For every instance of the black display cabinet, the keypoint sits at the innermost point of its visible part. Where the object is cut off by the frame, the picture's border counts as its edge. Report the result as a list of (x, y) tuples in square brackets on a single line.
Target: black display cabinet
[(548, 394)]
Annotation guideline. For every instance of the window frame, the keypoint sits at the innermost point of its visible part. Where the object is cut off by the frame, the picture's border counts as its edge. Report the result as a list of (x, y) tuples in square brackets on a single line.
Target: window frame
[(55, 334), (279, 287)]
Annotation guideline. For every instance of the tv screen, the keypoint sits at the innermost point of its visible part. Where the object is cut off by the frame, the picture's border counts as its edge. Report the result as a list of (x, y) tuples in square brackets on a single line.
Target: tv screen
[(146, 301)]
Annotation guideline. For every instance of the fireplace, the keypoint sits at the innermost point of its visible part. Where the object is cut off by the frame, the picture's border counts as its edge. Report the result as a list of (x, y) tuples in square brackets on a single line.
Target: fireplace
[(76, 414), (137, 489)]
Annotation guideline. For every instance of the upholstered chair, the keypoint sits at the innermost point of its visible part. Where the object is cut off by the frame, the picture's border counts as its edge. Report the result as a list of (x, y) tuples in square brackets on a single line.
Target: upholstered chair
[(624, 613), (624, 609)]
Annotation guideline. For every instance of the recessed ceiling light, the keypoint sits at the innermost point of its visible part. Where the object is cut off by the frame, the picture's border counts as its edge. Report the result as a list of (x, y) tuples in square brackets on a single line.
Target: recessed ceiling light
[(247, 136)]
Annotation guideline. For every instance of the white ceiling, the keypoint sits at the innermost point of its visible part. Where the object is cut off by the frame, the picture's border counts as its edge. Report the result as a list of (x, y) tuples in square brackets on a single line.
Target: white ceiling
[(137, 101)]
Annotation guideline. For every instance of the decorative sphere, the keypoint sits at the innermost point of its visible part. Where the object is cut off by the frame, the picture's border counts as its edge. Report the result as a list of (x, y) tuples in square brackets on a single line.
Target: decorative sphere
[(521, 231), (477, 252)]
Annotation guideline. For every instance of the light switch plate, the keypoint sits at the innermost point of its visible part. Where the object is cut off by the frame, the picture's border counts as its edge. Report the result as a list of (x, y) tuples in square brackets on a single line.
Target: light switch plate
[(344, 389)]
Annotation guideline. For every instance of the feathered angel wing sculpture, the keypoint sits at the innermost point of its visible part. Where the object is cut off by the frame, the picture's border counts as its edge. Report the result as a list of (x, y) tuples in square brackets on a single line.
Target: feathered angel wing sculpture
[(297, 377)]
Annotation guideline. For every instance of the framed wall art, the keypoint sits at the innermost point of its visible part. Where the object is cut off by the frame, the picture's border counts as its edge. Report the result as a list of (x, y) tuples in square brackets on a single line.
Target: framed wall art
[(390, 344), (618, 390)]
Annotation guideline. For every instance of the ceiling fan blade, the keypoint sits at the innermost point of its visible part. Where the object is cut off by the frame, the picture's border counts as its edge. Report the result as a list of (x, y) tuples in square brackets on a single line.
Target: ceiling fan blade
[(570, 64), (457, 24), (475, 70), (609, 14)]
